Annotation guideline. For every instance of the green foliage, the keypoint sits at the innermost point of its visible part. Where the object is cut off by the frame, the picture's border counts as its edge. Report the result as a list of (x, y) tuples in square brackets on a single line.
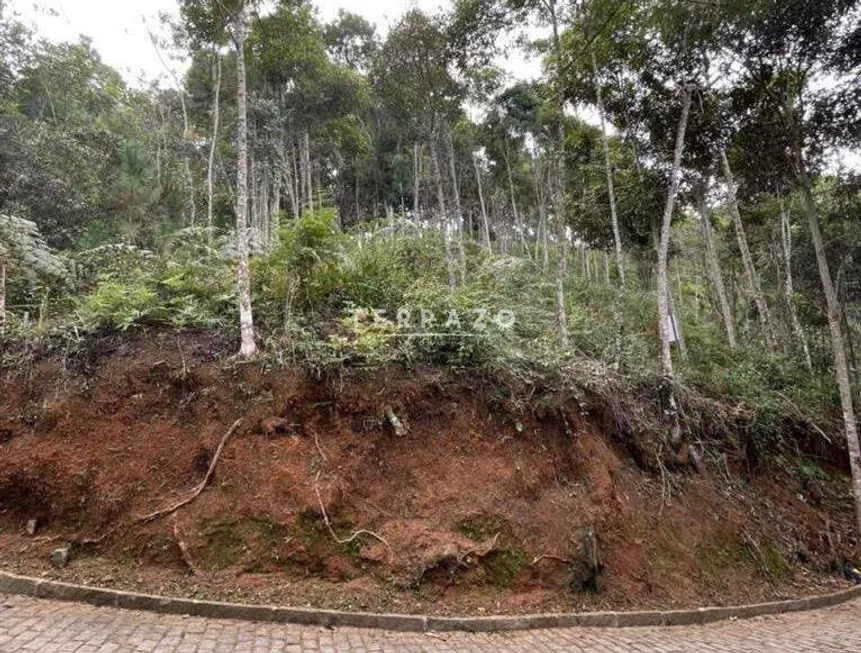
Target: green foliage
[(303, 269), (22, 243), (120, 304), (191, 287)]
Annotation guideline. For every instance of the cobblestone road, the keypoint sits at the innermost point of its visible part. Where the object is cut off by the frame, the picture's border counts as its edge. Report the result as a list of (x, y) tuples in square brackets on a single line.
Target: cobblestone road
[(38, 626)]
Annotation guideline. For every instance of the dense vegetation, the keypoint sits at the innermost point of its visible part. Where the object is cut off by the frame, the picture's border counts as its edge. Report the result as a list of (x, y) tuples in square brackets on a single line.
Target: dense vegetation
[(354, 170)]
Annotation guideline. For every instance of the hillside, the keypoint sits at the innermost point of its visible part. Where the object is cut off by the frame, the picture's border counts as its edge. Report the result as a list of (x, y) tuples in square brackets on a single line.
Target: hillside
[(497, 498)]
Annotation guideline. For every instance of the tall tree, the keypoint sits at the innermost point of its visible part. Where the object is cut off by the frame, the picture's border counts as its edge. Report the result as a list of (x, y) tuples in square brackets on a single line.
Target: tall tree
[(751, 276), (213, 146), (786, 50), (208, 21), (248, 346), (608, 165)]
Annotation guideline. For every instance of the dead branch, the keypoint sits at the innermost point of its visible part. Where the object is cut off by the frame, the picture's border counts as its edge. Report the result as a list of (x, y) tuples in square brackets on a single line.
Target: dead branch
[(538, 559), (354, 535), (319, 448), (196, 492), (397, 425)]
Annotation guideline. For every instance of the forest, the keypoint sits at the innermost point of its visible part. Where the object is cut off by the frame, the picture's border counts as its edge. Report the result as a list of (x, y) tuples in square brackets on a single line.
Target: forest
[(669, 217)]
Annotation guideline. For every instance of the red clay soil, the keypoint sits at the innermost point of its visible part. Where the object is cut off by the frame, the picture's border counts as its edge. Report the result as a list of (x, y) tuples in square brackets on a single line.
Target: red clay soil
[(483, 506)]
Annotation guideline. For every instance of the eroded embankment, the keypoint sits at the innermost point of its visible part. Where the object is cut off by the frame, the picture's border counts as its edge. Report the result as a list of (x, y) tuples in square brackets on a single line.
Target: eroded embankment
[(494, 500)]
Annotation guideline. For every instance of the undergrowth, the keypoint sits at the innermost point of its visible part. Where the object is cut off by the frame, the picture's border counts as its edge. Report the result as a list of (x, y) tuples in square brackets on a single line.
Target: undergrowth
[(325, 300)]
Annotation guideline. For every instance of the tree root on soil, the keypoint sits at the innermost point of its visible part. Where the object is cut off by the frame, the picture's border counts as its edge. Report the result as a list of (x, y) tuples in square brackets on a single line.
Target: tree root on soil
[(196, 492), (145, 519), (352, 537), (183, 550)]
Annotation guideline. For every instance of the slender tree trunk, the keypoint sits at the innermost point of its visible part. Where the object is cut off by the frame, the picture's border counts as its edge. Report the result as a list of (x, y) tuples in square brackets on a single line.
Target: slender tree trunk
[(319, 169), (608, 166), (841, 366), (485, 225), (561, 269), (518, 224), (788, 289), (192, 204), (444, 221), (254, 203), (210, 169), (664, 245), (309, 177), (417, 173), (303, 175), (297, 183), (714, 270), (158, 141), (275, 204), (559, 190), (750, 273), (243, 281), (358, 211), (664, 315), (676, 312), (461, 252), (542, 219)]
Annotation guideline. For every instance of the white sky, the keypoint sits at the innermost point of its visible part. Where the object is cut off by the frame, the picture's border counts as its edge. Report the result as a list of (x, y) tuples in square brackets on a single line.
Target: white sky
[(117, 28)]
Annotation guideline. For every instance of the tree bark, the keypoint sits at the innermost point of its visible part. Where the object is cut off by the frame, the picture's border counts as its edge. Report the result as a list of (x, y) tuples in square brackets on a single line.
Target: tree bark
[(664, 245), (417, 171), (443, 215), (485, 225), (561, 269), (243, 282), (542, 218), (789, 290), (210, 170), (458, 216), (751, 276), (608, 166), (714, 271), (559, 190), (518, 224), (676, 312), (275, 203), (308, 179), (296, 183)]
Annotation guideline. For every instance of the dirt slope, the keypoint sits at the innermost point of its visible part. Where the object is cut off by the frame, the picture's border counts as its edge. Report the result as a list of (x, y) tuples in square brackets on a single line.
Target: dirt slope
[(492, 501)]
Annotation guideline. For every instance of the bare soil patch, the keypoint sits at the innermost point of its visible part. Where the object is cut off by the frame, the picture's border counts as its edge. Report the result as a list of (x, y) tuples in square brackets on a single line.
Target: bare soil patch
[(491, 502)]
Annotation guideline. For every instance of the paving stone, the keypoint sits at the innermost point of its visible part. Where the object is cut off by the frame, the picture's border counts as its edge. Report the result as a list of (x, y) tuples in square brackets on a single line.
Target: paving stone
[(29, 625)]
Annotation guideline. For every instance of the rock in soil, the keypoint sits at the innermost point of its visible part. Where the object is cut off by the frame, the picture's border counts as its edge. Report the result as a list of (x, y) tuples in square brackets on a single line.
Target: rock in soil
[(585, 565), (32, 525), (62, 556)]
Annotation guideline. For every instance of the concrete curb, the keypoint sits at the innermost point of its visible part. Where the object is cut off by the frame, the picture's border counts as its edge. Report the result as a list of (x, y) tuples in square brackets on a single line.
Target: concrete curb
[(47, 589)]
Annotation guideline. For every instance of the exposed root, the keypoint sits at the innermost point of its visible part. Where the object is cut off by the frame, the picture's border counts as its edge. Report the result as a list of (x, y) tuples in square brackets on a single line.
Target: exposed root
[(201, 486), (352, 537), (538, 559), (319, 448), (183, 550), (176, 506)]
